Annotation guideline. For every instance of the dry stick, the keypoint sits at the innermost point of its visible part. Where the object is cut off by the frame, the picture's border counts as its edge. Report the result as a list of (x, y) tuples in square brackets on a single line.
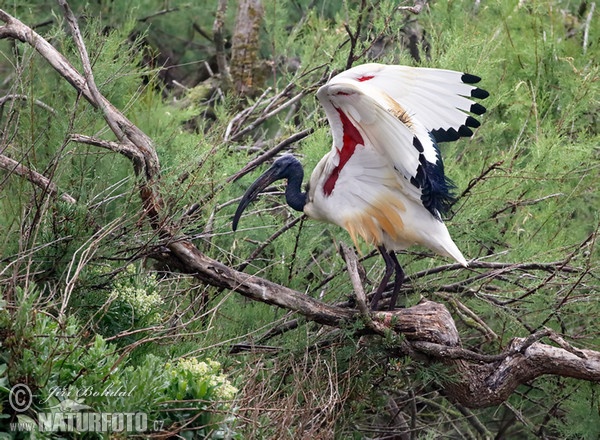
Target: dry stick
[(352, 264), (268, 241), (12, 166), (37, 102), (378, 326), (384, 30), (87, 67), (144, 155), (364, 10), (586, 30), (463, 309), (241, 117), (268, 115), (510, 205), (116, 147), (480, 178), (269, 154), (474, 421), (144, 159), (416, 8), (157, 14)]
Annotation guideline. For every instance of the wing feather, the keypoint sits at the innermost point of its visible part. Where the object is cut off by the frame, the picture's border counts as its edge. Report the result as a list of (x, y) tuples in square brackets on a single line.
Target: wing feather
[(403, 143), (440, 99)]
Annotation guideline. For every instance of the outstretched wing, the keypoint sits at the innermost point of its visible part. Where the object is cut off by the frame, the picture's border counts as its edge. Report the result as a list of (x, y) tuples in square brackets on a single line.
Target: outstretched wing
[(363, 116), (384, 177), (439, 99)]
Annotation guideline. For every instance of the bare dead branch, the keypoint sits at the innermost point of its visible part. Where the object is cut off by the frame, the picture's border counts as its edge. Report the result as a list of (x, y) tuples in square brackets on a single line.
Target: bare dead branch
[(271, 153), (126, 150), (39, 180), (126, 131), (37, 102), (268, 114), (416, 8), (586, 29), (242, 116), (158, 14), (352, 264), (354, 36)]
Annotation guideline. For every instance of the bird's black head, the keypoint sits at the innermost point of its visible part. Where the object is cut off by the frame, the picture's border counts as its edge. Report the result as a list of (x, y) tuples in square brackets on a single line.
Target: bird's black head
[(285, 167)]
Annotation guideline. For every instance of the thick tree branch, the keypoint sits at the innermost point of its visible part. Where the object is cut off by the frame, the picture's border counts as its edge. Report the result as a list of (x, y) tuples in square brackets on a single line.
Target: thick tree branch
[(145, 164)]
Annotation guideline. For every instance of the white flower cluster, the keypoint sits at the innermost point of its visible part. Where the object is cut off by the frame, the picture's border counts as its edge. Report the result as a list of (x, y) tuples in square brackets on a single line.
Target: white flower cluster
[(209, 371), (141, 301)]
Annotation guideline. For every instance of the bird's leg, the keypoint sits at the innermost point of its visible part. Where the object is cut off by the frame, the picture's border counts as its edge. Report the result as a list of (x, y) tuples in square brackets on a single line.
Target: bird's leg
[(399, 279), (391, 265), (389, 269)]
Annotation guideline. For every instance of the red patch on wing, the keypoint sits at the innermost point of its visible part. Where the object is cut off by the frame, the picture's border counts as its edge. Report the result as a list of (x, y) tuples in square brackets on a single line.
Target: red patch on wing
[(350, 139), (365, 78)]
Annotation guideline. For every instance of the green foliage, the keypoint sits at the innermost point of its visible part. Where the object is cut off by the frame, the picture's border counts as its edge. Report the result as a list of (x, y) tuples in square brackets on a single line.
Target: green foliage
[(67, 372)]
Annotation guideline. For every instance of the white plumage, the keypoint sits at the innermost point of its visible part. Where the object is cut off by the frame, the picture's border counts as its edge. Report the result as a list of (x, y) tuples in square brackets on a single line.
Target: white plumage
[(383, 180)]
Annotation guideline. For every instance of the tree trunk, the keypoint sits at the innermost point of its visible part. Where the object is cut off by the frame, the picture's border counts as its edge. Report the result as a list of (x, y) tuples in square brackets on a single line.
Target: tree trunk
[(244, 69)]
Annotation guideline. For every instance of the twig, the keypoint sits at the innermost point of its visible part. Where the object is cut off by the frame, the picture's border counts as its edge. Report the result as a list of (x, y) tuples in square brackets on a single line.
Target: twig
[(480, 178), (268, 241), (470, 316), (87, 67), (268, 115), (243, 115), (24, 98), (124, 149), (202, 32), (352, 264), (158, 14), (416, 8), (510, 205), (586, 30), (384, 322), (555, 337), (269, 154), (364, 10), (520, 345)]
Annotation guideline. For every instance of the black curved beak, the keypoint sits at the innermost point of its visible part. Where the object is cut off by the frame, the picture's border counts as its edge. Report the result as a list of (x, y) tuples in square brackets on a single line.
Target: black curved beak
[(268, 177)]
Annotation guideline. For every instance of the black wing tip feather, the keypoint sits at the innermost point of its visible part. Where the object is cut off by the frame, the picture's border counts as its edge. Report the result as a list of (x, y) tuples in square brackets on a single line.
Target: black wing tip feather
[(472, 122), (452, 134), (467, 78), (464, 131), (477, 109), (479, 93), (445, 134)]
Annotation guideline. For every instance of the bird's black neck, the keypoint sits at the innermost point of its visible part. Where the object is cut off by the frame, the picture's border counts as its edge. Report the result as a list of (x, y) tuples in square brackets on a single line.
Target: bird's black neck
[(293, 193)]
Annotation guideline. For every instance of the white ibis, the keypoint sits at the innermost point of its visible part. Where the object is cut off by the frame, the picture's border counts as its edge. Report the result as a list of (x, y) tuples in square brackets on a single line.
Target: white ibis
[(383, 179)]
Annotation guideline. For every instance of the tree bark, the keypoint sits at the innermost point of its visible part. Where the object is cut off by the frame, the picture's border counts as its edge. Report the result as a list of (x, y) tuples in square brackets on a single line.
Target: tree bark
[(244, 46)]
